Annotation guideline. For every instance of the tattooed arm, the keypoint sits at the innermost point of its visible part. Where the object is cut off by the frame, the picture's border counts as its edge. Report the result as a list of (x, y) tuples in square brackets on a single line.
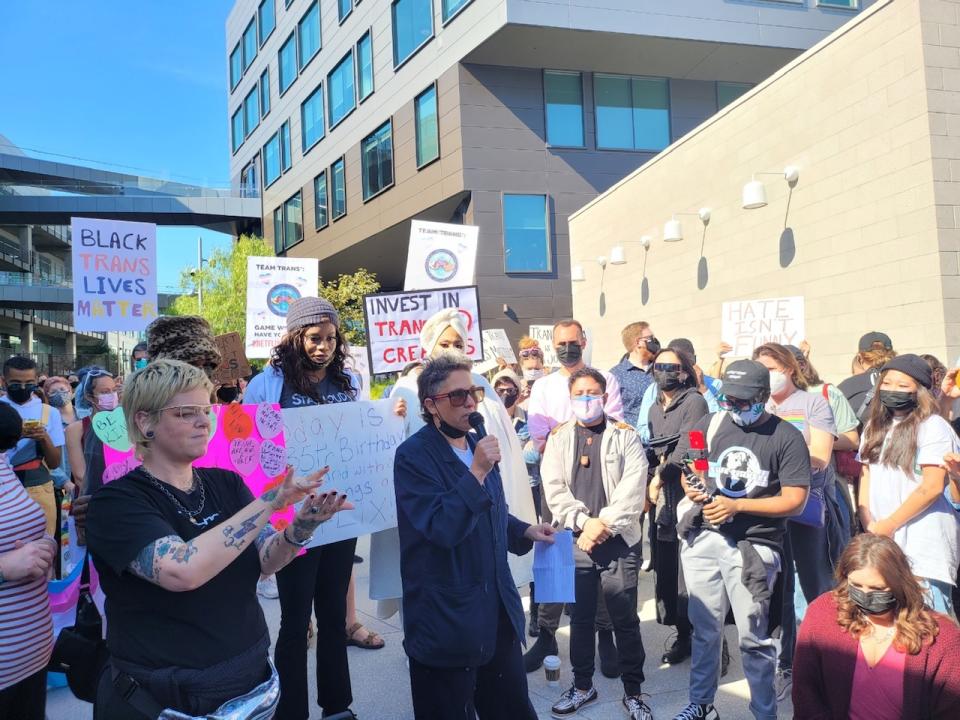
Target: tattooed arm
[(178, 565), (279, 548)]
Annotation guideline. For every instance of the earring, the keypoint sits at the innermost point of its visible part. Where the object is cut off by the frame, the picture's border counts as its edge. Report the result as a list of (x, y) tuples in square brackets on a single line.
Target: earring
[(149, 434)]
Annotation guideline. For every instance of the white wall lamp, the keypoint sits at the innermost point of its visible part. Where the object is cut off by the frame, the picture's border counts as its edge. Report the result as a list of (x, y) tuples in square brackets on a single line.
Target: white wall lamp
[(754, 192), (619, 257), (673, 230), (577, 274)]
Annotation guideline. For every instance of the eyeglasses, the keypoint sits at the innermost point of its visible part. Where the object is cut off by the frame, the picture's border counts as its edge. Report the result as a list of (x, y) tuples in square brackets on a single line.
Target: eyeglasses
[(459, 397), (189, 413), (531, 352), (668, 367), (506, 390)]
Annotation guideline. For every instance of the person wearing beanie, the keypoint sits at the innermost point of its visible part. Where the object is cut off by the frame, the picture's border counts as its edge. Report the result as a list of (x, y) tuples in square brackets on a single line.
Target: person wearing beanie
[(903, 480), (446, 332)]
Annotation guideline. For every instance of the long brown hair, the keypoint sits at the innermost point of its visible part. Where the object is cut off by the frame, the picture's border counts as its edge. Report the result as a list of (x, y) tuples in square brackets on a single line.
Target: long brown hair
[(290, 358), (901, 450), (916, 625), (786, 360)]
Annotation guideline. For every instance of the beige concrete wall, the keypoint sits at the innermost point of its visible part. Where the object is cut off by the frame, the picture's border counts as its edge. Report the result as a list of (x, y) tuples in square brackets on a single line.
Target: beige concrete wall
[(867, 254)]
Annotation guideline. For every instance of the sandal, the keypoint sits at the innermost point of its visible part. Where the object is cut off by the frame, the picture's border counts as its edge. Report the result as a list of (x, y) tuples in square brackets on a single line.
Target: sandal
[(371, 642)]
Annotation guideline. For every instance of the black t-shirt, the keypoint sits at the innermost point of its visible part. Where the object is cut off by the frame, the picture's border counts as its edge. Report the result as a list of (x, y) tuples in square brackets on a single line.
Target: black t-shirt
[(154, 627), (856, 387), (586, 480), (754, 463), (327, 390)]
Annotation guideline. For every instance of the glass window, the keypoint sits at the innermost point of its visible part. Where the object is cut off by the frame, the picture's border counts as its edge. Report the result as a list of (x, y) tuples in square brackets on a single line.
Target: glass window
[(248, 180), (236, 67), (286, 160), (287, 63), (311, 118), (251, 111), (428, 132), (236, 129), (292, 221), (452, 7), (563, 97), (249, 44), (308, 34), (526, 240), (851, 4), (267, 16), (412, 27), (727, 92), (271, 160), (340, 90), (365, 65), (278, 230), (265, 93), (376, 160), (320, 200), (632, 113), (344, 8), (338, 187)]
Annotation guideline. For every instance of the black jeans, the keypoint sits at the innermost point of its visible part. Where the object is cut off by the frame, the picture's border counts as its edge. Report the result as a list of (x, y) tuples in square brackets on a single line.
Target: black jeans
[(618, 583), (491, 692), (670, 590), (27, 700), (319, 578)]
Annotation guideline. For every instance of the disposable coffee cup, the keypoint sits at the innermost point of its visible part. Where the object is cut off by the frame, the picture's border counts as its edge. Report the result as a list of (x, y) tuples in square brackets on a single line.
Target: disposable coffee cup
[(551, 668)]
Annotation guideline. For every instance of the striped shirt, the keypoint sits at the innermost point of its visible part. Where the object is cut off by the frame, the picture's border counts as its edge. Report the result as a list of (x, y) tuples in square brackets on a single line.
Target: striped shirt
[(26, 628)]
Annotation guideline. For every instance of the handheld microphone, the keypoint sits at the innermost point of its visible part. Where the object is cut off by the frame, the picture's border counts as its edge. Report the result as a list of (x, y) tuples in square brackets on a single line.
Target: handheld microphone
[(476, 422)]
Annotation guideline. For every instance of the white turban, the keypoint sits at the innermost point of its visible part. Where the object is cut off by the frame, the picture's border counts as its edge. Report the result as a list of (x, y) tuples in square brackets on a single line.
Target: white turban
[(438, 322)]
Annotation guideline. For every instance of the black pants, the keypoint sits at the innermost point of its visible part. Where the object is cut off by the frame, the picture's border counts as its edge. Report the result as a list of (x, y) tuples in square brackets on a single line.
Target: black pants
[(27, 700), (670, 590), (319, 578), (618, 584), (491, 692)]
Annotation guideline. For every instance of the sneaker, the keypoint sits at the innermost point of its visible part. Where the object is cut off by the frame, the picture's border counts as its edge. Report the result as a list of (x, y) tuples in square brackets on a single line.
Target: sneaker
[(724, 659), (609, 657), (678, 652), (637, 709), (784, 683), (546, 644), (695, 711), (267, 588), (572, 700)]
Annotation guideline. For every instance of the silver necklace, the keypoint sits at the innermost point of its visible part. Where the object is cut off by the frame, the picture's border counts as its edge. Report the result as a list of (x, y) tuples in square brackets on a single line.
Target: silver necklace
[(876, 637), (181, 509)]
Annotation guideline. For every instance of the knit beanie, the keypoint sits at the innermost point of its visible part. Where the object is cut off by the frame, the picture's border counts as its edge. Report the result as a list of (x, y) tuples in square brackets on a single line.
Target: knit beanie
[(187, 338), (309, 311)]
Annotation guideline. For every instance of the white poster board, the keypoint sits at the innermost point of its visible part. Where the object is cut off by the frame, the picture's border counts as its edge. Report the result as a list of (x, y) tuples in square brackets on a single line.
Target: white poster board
[(358, 441), (114, 275), (496, 344), (543, 334), (272, 284), (441, 255), (394, 321), (747, 324), (359, 362)]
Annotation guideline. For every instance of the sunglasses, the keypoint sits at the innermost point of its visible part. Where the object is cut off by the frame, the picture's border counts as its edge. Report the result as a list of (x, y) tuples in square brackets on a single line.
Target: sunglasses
[(531, 352), (729, 403), (458, 397), (668, 367)]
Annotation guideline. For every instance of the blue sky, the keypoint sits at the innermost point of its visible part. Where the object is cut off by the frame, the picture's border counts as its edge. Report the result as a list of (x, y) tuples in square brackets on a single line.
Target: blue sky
[(137, 83)]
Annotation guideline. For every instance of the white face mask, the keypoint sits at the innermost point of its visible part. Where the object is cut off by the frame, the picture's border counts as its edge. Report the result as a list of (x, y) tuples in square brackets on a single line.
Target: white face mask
[(778, 382), (531, 375)]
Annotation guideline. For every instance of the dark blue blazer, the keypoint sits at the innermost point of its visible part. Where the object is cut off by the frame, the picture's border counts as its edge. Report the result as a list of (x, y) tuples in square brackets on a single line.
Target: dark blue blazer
[(454, 538)]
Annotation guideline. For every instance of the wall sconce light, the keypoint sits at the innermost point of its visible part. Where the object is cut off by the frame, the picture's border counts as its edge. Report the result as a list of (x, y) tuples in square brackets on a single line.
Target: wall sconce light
[(673, 230), (602, 262), (617, 256), (577, 274), (754, 192), (645, 241)]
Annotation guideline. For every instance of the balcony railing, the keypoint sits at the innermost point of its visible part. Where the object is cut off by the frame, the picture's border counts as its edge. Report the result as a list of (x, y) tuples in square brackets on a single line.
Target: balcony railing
[(28, 280)]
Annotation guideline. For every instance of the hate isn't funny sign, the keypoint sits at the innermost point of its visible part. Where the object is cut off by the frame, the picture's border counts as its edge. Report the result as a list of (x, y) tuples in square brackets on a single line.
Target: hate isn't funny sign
[(114, 274)]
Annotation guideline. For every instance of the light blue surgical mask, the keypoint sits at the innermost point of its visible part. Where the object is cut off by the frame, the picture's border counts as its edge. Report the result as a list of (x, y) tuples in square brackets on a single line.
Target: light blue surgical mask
[(587, 408)]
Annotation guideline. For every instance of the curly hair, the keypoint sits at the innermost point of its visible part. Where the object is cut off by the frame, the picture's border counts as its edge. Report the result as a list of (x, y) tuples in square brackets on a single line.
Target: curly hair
[(527, 342), (915, 623), (289, 357), (901, 450)]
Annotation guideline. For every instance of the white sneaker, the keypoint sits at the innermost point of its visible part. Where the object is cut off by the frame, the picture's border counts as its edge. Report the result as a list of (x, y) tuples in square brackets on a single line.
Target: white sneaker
[(784, 683), (267, 588)]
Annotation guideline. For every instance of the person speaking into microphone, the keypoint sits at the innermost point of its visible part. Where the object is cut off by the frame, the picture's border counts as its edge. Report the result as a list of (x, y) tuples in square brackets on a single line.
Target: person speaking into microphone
[(463, 622)]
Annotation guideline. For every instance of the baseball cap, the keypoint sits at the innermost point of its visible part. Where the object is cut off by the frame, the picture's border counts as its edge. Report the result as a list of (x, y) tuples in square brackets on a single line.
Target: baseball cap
[(745, 380), (867, 341), (914, 366)]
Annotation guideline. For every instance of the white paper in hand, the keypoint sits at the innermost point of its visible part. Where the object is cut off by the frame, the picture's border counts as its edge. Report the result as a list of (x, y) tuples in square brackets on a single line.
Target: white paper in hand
[(553, 570)]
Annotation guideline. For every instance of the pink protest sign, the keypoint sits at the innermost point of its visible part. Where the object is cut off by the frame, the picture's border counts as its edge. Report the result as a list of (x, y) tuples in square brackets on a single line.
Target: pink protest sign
[(245, 439)]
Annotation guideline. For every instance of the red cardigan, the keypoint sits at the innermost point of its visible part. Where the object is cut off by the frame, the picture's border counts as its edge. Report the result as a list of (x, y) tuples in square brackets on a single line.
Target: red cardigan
[(826, 657)]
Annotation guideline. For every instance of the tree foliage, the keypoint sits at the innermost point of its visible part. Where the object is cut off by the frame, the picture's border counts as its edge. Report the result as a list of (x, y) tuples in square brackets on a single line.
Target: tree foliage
[(346, 294)]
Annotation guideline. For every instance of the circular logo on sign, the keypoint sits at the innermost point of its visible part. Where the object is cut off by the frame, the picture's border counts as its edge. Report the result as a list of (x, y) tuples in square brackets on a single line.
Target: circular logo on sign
[(441, 265), (279, 298)]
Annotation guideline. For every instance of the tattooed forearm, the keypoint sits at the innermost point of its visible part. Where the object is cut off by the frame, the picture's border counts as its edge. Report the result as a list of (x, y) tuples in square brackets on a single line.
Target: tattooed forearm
[(236, 537), (302, 530), (146, 564), (270, 497)]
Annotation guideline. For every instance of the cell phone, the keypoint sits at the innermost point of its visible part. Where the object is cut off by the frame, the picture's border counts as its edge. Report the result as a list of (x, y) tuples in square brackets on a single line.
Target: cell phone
[(32, 424)]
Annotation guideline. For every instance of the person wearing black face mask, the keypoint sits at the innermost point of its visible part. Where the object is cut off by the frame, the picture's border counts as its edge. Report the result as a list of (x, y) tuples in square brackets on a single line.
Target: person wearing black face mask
[(871, 648), (902, 484), (227, 394), (633, 372)]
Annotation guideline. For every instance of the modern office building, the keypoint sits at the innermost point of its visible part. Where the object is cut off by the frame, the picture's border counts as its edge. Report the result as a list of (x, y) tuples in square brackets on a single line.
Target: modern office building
[(352, 117)]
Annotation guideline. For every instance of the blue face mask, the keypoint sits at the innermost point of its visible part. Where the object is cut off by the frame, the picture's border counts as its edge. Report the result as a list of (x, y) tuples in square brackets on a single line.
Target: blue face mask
[(140, 364), (740, 415)]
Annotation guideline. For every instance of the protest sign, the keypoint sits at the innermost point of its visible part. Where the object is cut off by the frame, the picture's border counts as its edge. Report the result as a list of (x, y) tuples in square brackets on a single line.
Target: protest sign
[(440, 255), (496, 345), (359, 362), (272, 284), (358, 441), (394, 321), (747, 324), (245, 438), (543, 334), (234, 364), (114, 274)]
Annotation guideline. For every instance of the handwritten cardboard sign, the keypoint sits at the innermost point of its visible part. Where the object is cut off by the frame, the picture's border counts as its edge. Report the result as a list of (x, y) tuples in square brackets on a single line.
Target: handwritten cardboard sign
[(543, 334), (747, 324), (358, 441), (496, 345), (234, 364)]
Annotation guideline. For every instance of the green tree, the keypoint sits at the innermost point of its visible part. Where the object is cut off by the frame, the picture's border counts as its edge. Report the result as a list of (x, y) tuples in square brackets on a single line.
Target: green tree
[(346, 294)]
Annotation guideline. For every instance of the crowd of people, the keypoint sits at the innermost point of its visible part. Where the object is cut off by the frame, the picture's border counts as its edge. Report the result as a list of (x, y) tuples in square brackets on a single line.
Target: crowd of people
[(821, 520)]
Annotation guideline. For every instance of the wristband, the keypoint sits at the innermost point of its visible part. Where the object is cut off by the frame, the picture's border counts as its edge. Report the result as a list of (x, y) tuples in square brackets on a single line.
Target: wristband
[(294, 542)]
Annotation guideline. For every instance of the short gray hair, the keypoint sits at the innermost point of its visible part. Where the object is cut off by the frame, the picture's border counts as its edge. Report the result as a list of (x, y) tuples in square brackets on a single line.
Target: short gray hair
[(434, 375)]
